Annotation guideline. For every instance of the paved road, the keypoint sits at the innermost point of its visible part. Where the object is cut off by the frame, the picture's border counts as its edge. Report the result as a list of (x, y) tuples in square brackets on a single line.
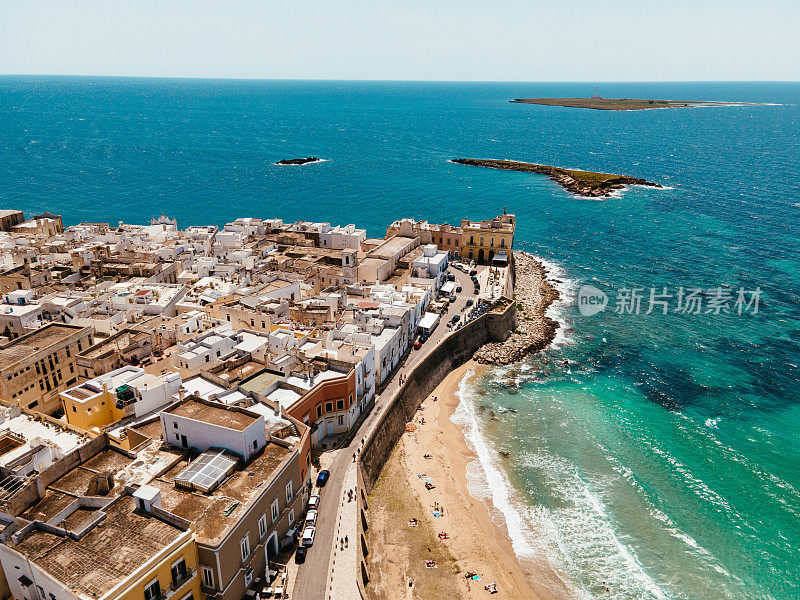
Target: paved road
[(312, 577)]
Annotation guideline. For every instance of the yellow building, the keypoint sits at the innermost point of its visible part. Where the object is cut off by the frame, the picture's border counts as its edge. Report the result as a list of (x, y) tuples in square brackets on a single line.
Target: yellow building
[(118, 551), (483, 240), (473, 240), (115, 395)]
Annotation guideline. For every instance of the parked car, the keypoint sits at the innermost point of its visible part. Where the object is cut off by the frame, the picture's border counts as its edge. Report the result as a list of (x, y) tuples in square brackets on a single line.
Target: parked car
[(323, 477), (417, 345), (300, 555), (423, 338), (473, 272), (458, 289), (469, 301), (311, 518), (451, 277), (308, 536), (313, 502), (452, 299)]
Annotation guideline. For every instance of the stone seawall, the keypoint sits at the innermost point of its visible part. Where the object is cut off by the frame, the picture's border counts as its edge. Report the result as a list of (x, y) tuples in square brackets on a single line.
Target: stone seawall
[(454, 351)]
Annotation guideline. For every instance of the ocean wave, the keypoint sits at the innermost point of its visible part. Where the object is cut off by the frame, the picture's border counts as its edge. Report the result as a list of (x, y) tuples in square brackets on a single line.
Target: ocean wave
[(578, 539), (567, 289)]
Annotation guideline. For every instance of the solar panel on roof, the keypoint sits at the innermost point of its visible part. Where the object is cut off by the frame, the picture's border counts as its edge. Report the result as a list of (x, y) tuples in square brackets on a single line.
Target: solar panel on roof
[(208, 470)]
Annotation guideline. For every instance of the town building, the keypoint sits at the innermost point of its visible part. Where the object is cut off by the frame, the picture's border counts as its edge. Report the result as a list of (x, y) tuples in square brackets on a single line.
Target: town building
[(36, 366)]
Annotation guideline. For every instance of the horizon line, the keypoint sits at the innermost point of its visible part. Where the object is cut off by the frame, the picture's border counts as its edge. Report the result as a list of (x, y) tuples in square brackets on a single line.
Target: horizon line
[(331, 79)]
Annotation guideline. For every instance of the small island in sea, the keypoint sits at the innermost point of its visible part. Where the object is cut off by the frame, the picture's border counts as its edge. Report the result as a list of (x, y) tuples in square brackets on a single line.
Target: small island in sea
[(299, 161), (598, 103), (582, 183)]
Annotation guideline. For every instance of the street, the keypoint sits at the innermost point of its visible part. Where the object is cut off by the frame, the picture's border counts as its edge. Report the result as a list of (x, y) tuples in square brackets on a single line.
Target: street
[(312, 576)]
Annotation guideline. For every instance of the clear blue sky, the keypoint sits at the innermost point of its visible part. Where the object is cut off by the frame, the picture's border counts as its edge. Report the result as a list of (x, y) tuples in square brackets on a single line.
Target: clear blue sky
[(511, 40)]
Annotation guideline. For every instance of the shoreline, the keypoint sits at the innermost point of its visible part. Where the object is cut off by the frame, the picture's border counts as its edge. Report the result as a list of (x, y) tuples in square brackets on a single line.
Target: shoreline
[(628, 104), (476, 540), (584, 184), (534, 294)]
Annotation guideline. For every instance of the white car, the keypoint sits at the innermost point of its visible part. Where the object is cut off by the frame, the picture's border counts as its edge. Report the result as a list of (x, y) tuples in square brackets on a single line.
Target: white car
[(308, 536), (311, 518), (313, 502)]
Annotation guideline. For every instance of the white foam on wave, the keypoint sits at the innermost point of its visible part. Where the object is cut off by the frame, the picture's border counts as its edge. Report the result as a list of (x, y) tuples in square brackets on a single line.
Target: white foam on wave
[(578, 539), (567, 292), (487, 481)]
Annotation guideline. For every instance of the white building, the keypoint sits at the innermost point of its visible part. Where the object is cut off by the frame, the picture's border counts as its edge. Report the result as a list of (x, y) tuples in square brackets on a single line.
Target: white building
[(202, 424)]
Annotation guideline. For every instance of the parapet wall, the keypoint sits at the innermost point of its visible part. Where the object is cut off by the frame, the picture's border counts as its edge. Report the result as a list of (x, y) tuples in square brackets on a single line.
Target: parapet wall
[(452, 352)]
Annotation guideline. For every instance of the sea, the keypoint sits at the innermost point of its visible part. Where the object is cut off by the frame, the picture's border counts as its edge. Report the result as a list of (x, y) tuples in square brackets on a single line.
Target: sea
[(653, 450)]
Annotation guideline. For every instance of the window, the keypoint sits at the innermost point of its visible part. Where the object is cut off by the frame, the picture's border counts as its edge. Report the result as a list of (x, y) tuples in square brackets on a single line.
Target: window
[(255, 444), (339, 404), (248, 576), (208, 577), (179, 572), (275, 510), (79, 346), (291, 516), (289, 492), (319, 411), (152, 591), (175, 425), (328, 407), (207, 357), (262, 525), (244, 546), (341, 420)]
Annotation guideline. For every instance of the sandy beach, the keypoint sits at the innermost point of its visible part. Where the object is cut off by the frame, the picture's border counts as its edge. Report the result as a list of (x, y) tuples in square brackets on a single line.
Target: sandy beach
[(474, 543)]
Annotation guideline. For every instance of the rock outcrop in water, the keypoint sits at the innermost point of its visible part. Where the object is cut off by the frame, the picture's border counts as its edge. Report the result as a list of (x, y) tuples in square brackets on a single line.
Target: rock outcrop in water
[(582, 183), (298, 161), (535, 331)]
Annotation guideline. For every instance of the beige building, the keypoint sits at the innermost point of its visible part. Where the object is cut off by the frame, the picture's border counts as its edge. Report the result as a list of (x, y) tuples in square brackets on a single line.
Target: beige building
[(473, 240), (241, 514), (482, 240), (38, 365)]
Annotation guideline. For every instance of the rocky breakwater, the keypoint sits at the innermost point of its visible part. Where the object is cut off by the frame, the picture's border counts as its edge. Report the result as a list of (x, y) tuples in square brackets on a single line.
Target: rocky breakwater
[(588, 184), (533, 295)]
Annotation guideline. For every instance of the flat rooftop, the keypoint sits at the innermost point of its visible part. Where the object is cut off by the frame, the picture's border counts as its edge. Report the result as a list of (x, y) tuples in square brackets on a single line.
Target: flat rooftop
[(261, 381), (213, 414), (212, 515), (105, 556), (30, 343)]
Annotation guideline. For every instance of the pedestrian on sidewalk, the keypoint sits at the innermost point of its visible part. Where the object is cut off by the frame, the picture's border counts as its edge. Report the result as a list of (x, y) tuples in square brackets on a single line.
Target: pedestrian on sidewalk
[(346, 542)]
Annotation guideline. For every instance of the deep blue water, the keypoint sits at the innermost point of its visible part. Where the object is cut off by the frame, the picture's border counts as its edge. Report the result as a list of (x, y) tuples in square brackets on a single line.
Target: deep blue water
[(664, 459)]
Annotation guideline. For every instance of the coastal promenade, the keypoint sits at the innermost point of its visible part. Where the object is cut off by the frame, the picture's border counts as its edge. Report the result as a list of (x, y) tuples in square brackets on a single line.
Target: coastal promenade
[(330, 571)]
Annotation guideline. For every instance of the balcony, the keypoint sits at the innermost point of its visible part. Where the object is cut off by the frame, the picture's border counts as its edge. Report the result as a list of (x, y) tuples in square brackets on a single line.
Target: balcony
[(178, 584)]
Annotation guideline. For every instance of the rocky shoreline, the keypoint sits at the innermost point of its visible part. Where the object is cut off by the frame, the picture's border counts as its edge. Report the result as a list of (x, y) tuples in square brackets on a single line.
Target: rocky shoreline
[(533, 295), (588, 184), (622, 104)]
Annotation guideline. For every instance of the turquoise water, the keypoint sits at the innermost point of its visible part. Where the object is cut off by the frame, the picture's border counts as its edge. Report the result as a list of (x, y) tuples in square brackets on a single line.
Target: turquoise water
[(662, 459)]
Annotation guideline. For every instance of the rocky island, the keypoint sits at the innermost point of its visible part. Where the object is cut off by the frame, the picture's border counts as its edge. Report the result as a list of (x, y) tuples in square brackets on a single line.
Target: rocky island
[(598, 103), (299, 161), (582, 183)]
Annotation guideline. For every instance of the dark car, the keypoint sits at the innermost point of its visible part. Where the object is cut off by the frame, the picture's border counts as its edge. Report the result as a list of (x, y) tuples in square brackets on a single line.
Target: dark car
[(458, 290), (300, 555), (451, 277), (323, 477), (473, 272), (469, 302)]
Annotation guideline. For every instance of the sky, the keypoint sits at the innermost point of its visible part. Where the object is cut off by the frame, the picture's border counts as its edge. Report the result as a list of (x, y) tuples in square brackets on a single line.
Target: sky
[(464, 40)]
